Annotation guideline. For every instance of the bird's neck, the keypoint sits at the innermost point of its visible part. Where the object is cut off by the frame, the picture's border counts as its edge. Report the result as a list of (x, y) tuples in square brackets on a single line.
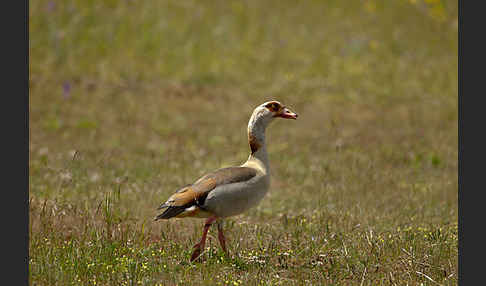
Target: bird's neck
[(256, 139)]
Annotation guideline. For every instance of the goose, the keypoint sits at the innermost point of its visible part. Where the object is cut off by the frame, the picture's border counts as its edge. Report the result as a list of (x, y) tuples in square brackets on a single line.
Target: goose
[(229, 191)]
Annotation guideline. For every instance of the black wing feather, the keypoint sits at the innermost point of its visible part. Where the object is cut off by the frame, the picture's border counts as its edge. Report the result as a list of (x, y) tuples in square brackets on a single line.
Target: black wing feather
[(171, 212)]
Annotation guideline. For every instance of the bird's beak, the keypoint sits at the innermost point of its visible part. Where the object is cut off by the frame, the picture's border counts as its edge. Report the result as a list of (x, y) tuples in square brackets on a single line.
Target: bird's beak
[(287, 113)]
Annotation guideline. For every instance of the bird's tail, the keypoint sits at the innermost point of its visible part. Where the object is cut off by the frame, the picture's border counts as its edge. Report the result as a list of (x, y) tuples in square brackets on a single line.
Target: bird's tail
[(170, 211)]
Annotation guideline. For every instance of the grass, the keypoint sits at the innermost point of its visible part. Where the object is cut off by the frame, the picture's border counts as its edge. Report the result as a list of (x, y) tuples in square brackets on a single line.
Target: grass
[(129, 100)]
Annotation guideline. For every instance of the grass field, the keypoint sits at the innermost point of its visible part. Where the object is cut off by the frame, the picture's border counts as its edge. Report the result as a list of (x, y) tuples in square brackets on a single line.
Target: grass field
[(130, 100)]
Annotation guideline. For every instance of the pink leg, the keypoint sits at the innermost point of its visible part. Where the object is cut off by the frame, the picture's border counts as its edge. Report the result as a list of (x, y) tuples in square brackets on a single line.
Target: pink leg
[(221, 237), (200, 246)]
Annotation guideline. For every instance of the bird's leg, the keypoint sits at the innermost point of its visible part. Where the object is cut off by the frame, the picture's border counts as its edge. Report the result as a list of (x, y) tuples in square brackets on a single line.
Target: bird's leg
[(200, 246), (222, 240)]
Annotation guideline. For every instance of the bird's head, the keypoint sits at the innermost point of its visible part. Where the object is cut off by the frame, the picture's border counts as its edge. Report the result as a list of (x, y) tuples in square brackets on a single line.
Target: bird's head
[(273, 109), (261, 118)]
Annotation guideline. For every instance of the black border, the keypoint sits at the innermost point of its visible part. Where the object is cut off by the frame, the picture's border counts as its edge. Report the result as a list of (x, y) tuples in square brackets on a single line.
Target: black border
[(22, 186), (15, 141), (461, 183), (471, 185)]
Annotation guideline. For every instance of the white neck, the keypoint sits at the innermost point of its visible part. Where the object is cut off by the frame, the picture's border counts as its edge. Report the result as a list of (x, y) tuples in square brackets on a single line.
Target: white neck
[(256, 138)]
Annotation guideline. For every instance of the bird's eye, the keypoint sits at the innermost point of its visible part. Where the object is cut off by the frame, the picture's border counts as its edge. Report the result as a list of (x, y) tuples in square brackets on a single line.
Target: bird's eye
[(273, 106)]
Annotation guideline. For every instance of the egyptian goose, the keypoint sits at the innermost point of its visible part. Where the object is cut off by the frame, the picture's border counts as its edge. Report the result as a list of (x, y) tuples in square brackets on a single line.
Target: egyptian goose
[(229, 191)]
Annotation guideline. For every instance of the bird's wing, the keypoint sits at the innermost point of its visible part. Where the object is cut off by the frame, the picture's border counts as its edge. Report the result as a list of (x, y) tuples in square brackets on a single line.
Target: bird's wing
[(195, 194)]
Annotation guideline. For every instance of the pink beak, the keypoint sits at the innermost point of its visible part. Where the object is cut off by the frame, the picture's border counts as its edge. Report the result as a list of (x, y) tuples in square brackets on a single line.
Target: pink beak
[(287, 113)]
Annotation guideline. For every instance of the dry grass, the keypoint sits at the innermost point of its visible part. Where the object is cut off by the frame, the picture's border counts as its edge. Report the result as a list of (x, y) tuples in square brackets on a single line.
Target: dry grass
[(129, 100)]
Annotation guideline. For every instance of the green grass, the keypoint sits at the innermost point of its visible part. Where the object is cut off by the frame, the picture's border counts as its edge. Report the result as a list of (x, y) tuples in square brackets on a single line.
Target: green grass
[(129, 100)]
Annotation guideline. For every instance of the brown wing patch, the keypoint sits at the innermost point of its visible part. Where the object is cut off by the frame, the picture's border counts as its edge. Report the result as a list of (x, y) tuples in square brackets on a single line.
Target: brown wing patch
[(206, 184), (183, 197)]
